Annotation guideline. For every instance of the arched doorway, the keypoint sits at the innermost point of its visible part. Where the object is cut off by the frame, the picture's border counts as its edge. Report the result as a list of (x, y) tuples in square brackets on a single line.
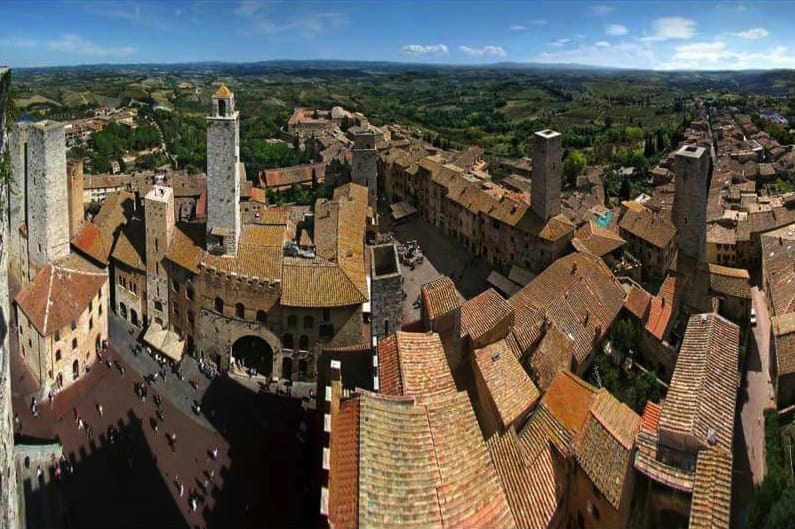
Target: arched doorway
[(133, 317), (123, 310), (75, 370), (59, 381), (287, 367), (254, 352)]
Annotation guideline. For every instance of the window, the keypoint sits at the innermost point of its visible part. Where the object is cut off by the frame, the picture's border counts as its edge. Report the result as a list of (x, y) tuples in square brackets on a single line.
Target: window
[(133, 287), (176, 309), (191, 318), (292, 321), (189, 293), (157, 244), (327, 331), (175, 285), (240, 310), (287, 341), (303, 342), (309, 322), (159, 306), (74, 325), (262, 316), (90, 306), (58, 355), (219, 305), (326, 314), (57, 336), (90, 323), (74, 343), (100, 310)]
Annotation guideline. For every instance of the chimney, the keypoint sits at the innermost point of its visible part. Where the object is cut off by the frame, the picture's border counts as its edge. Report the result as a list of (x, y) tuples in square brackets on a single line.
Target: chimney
[(585, 318)]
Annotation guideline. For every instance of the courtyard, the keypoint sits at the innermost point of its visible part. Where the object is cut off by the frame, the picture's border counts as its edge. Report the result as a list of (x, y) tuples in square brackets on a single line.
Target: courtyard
[(127, 472)]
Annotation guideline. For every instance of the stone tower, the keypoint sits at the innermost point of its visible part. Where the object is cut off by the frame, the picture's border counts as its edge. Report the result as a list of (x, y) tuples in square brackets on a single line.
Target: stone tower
[(38, 158), (76, 185), (159, 215), (223, 174), (545, 185), (364, 165), (386, 290), (689, 212)]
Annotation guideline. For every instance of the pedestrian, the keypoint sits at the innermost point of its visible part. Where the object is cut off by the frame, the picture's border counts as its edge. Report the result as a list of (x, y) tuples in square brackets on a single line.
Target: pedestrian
[(212, 475), (160, 415), (193, 503), (99, 409), (122, 371), (39, 471), (181, 490), (205, 486), (90, 431), (80, 424), (17, 421), (52, 399), (215, 453)]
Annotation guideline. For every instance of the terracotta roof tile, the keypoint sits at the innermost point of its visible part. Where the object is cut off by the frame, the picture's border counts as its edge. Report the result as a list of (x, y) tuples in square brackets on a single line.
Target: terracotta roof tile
[(552, 356), (662, 308), (596, 240), (645, 225), (778, 256), (481, 314), (703, 389), (735, 282), (130, 246), (604, 449), (389, 379), (60, 292), (783, 328), (569, 400), (710, 507), (439, 297), (422, 366), (638, 302), (186, 248), (343, 483), (294, 175), (507, 383), (96, 238)]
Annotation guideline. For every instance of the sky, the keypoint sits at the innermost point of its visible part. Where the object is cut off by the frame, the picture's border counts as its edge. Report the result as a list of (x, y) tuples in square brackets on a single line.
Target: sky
[(639, 34)]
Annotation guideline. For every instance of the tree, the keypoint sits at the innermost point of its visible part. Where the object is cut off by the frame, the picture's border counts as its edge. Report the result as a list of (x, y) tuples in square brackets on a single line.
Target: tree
[(573, 166), (782, 514), (624, 334)]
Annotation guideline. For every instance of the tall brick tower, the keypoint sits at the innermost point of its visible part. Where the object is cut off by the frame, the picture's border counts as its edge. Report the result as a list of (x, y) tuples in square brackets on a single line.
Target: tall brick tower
[(76, 185), (364, 165), (689, 211), (159, 214), (545, 185), (223, 174), (38, 158)]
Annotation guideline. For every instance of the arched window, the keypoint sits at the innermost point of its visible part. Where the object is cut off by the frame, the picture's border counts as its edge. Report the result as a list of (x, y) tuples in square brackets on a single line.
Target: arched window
[(292, 321), (74, 343), (240, 310), (262, 316), (221, 107), (58, 355), (309, 322), (189, 293), (287, 341), (303, 342), (219, 305), (75, 370), (302, 365)]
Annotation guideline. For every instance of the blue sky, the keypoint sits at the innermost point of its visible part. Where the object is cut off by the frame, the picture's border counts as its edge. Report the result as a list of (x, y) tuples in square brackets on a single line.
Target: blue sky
[(641, 34)]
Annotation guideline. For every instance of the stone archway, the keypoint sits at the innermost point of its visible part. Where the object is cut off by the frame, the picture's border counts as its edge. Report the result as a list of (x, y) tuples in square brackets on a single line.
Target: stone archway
[(253, 352)]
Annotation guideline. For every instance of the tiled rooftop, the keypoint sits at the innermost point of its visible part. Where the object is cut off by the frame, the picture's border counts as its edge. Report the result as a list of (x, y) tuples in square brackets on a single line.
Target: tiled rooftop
[(439, 297), (596, 240), (414, 365), (645, 225), (483, 313), (783, 328), (710, 507)]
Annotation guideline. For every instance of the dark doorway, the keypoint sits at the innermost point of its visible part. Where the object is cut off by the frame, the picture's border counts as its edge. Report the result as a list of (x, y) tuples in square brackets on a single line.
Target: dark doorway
[(123, 310), (287, 367), (133, 317), (254, 352), (75, 370)]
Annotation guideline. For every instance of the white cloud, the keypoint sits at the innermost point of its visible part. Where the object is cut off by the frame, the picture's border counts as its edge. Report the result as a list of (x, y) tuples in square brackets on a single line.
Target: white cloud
[(485, 51), (752, 34), (602, 44), (518, 27), (80, 46), (559, 42), (717, 55), (672, 28), (248, 8), (602, 10), (616, 30), (627, 54), (17, 42), (539, 21), (419, 49)]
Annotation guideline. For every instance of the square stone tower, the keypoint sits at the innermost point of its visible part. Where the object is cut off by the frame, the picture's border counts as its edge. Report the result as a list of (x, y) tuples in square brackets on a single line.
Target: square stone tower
[(386, 299), (545, 185), (364, 164), (689, 213), (38, 156), (159, 215), (76, 185), (223, 174)]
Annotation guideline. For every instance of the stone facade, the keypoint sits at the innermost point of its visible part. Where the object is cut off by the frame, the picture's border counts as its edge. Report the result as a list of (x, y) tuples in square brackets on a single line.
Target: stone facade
[(364, 164), (130, 294), (386, 292), (76, 212), (159, 211), (690, 201), (43, 169), (59, 359), (545, 190), (9, 515), (223, 174)]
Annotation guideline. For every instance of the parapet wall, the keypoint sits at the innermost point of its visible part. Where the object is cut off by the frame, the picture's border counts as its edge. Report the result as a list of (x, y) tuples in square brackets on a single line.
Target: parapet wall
[(9, 504)]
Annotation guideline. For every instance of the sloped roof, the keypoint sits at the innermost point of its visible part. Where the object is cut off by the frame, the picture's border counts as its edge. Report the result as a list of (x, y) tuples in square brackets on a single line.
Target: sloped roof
[(710, 507), (604, 448), (259, 253), (130, 246), (439, 297), (414, 365), (96, 238), (510, 389), (597, 240), (569, 400), (638, 302), (703, 389), (778, 254), (646, 460), (294, 175), (578, 294), (343, 481), (186, 247), (735, 282), (644, 224), (60, 292), (483, 313), (783, 328), (661, 308), (552, 356)]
